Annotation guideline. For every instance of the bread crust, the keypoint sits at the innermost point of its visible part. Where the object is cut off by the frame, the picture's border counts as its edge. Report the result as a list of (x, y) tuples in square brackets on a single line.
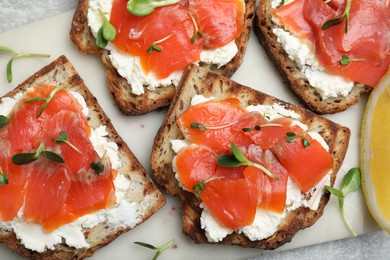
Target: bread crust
[(131, 104), (292, 76), (61, 71), (197, 80)]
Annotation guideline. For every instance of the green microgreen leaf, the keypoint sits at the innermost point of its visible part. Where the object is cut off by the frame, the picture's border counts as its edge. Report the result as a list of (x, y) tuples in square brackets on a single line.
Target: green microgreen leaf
[(106, 33), (239, 159), (248, 129), (97, 166), (290, 137), (351, 182), (17, 55), (48, 98), (25, 158), (63, 139), (202, 127), (154, 47), (4, 120), (305, 142), (199, 187), (53, 156), (146, 7), (159, 249), (345, 60), (197, 33), (3, 178), (280, 4), (340, 19)]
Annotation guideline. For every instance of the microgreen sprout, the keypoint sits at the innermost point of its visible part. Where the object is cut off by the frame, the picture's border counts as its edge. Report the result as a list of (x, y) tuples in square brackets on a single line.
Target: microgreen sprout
[(280, 4), (351, 182), (340, 19), (4, 120), (239, 159), (199, 187), (159, 249), (146, 7), (106, 32), (203, 128), (155, 47), (345, 60), (291, 137), (63, 139), (17, 55), (3, 178), (197, 33), (25, 158), (47, 99), (98, 165), (258, 127)]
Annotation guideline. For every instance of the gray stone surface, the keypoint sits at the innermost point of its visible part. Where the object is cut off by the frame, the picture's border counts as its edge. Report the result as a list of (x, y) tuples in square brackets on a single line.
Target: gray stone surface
[(15, 13)]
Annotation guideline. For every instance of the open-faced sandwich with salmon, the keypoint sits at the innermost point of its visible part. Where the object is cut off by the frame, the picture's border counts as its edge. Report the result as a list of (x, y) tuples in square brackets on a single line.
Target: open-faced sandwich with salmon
[(249, 168), (146, 44), (69, 184), (328, 52)]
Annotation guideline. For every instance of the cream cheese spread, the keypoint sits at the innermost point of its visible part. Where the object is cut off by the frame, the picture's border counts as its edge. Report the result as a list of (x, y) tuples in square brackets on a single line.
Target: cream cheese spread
[(129, 66), (266, 222), (123, 214)]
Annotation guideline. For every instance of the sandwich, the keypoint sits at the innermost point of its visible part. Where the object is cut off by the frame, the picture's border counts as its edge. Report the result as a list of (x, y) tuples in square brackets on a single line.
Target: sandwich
[(249, 169), (72, 184), (148, 52), (328, 52)]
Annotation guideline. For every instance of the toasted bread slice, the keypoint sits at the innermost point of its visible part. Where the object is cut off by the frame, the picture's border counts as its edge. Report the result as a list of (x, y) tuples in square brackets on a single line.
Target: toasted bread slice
[(293, 77), (142, 190), (197, 80), (129, 103)]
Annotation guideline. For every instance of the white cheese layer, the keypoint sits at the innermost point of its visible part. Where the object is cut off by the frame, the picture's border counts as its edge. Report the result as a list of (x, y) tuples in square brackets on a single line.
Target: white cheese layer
[(300, 51), (266, 222), (129, 66), (123, 214)]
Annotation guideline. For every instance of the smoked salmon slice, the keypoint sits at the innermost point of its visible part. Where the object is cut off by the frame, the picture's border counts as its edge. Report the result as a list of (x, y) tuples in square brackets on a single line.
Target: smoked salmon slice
[(51, 193), (367, 39), (172, 29), (213, 121)]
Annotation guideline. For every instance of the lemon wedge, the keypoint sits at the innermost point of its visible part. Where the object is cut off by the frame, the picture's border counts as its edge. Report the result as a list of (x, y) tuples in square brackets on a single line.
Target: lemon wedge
[(375, 153)]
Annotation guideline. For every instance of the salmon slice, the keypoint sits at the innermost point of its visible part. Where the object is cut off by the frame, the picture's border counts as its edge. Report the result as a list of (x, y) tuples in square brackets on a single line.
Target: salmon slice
[(270, 132), (305, 165), (232, 211), (217, 116), (367, 37), (219, 21), (51, 192)]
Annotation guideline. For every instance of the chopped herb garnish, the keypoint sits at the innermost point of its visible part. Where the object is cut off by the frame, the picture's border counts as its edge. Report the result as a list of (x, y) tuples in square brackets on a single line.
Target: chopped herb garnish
[(291, 137), (202, 127), (4, 120), (17, 55), (258, 127), (340, 19), (106, 32), (159, 250), (280, 4), (239, 159), (98, 165), (351, 182), (3, 178), (345, 60), (63, 139), (155, 47), (47, 99), (146, 7), (197, 33), (25, 158), (198, 188)]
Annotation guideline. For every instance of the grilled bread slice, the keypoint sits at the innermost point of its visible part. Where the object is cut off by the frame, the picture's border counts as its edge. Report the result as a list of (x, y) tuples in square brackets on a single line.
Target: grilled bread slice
[(197, 80), (141, 190), (293, 77), (127, 102)]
